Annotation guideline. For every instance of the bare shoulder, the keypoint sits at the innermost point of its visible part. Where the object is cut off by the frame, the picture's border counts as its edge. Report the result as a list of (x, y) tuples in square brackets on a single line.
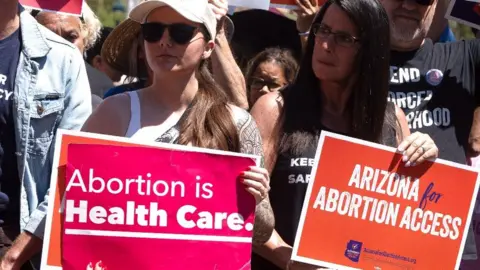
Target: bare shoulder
[(240, 116), (111, 117), (248, 133), (268, 107)]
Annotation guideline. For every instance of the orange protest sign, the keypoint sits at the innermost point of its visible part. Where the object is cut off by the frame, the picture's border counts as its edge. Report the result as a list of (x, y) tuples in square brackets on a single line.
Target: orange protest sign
[(365, 210)]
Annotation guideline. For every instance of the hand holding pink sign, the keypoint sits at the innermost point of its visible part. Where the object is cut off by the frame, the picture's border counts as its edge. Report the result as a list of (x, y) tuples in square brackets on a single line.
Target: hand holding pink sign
[(98, 266), (257, 180)]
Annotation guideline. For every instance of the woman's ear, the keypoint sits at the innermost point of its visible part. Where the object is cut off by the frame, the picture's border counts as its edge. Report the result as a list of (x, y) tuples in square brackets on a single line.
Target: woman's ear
[(209, 47), (97, 62)]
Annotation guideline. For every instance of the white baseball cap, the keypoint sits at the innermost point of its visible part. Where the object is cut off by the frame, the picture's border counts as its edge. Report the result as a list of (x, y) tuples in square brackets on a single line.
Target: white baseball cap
[(193, 10)]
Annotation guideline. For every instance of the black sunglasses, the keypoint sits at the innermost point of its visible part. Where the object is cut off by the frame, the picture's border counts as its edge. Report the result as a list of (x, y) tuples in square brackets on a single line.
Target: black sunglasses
[(180, 33), (423, 2)]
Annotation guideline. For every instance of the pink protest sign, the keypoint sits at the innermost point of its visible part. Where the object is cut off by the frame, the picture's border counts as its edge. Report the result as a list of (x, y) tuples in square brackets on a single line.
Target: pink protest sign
[(72, 7), (135, 207)]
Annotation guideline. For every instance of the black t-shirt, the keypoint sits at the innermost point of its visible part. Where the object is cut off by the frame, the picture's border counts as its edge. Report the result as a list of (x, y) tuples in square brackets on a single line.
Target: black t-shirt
[(289, 181), (9, 180), (435, 87)]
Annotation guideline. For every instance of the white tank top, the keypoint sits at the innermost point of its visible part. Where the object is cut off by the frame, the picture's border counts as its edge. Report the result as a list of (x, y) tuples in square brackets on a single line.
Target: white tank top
[(135, 129)]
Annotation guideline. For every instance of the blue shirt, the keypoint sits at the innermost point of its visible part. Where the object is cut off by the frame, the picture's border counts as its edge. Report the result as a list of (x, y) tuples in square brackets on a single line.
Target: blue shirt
[(447, 35), (124, 88), (9, 179)]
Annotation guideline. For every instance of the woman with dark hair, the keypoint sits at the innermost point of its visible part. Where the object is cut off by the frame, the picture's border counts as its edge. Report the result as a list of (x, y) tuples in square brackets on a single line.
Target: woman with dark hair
[(94, 58), (184, 105), (342, 87), (269, 71)]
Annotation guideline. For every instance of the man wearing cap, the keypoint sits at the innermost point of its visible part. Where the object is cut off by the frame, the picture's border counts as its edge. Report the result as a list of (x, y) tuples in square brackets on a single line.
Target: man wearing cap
[(43, 87), (434, 83)]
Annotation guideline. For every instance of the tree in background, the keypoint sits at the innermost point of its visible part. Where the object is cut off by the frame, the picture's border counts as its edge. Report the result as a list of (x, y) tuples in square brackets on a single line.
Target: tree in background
[(110, 12)]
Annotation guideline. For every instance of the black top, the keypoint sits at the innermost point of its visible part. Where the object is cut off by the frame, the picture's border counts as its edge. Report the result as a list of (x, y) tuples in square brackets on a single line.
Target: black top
[(9, 179), (435, 86), (289, 182)]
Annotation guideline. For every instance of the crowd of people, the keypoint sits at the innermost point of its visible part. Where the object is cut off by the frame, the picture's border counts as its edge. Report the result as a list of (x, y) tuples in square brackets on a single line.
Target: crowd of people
[(185, 72)]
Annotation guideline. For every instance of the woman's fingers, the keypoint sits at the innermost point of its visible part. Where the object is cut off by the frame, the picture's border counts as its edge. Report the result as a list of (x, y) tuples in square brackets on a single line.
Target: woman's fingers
[(255, 193), (257, 182), (302, 5), (308, 4), (431, 151), (417, 148), (407, 141), (98, 266), (256, 189), (258, 177), (219, 7)]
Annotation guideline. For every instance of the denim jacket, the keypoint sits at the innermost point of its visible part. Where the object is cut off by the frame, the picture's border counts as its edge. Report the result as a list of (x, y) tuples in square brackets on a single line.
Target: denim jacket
[(51, 92)]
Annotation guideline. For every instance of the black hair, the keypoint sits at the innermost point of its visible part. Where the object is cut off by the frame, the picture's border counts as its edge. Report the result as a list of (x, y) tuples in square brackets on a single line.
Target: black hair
[(97, 48), (34, 12), (283, 57), (368, 102)]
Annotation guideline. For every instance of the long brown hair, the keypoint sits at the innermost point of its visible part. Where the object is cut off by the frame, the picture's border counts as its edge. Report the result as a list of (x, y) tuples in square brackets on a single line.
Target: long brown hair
[(209, 122)]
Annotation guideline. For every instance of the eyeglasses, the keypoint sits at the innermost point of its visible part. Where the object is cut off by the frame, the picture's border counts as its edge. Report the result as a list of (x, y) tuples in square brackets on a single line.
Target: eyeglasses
[(260, 83), (179, 32), (343, 39)]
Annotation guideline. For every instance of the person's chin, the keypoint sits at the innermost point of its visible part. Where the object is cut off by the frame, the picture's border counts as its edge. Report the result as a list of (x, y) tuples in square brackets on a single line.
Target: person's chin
[(324, 71), (167, 68), (404, 34)]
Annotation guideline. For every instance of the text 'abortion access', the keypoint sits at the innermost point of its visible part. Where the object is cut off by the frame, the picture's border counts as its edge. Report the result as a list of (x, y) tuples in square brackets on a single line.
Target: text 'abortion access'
[(384, 212)]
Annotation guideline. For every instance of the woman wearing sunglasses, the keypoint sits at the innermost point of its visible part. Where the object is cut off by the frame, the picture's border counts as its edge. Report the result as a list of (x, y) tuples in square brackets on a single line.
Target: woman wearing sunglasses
[(184, 105), (342, 87)]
